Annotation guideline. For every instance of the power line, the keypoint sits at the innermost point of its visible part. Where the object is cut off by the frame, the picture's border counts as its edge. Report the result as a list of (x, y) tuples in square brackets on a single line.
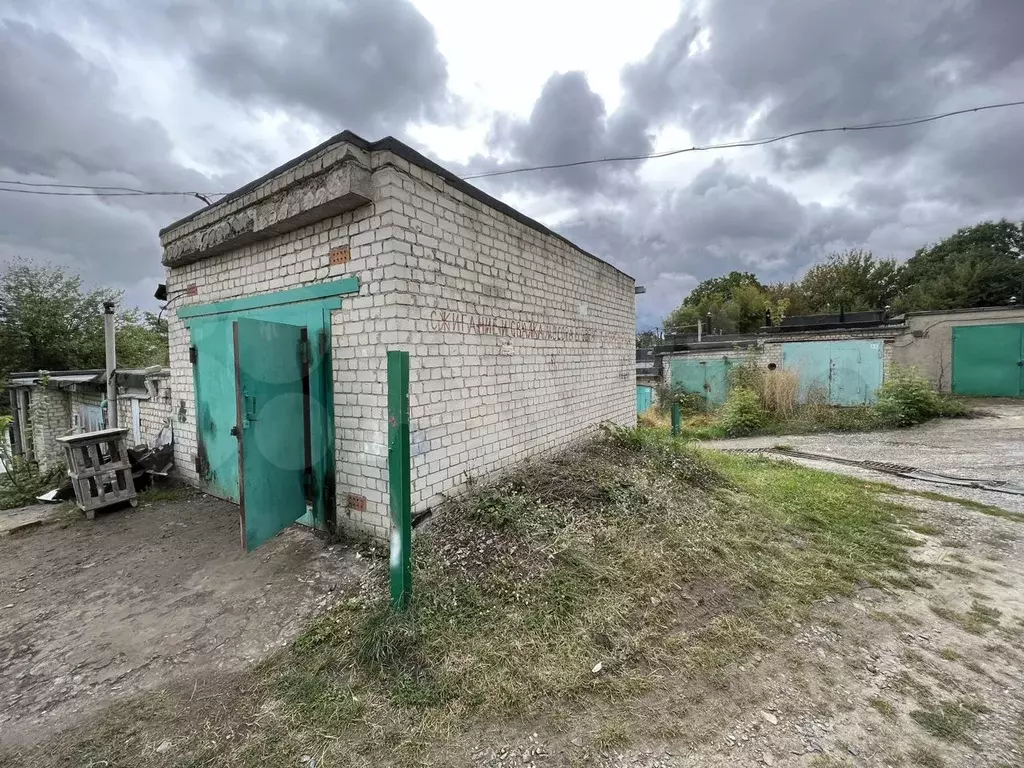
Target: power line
[(894, 123), (133, 190), (56, 189)]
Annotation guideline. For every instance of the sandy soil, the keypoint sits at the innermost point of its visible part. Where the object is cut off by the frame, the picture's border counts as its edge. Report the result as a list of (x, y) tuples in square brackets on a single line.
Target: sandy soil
[(139, 598)]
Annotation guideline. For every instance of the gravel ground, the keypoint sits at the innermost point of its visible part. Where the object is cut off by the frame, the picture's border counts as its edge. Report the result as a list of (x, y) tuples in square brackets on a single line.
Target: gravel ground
[(989, 447)]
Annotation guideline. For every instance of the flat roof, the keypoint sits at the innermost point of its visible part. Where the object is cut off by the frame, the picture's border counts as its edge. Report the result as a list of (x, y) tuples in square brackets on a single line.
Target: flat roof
[(926, 312), (407, 153)]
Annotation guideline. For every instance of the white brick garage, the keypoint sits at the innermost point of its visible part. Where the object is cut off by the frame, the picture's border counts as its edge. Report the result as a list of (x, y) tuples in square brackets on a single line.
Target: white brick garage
[(519, 342)]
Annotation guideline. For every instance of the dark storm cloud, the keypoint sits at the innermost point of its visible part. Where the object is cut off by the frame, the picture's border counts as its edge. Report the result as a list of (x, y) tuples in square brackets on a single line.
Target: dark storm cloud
[(722, 220), (778, 66), (371, 67), (734, 68), (59, 119), (568, 122)]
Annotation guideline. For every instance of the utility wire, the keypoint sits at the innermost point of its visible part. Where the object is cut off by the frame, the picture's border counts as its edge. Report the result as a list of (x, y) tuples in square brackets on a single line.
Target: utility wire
[(94, 187), (89, 190), (894, 123)]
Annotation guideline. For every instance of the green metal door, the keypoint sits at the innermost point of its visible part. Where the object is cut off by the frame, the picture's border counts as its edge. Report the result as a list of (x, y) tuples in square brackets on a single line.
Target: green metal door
[(272, 426), (836, 372), (644, 398), (855, 372), (988, 360), (709, 378), (214, 371)]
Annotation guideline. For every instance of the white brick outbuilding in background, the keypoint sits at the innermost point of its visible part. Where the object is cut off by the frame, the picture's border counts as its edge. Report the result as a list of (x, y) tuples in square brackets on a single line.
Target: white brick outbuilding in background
[(519, 342)]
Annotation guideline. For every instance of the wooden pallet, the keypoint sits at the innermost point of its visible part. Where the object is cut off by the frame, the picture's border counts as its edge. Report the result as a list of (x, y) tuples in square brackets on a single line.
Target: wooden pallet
[(100, 470)]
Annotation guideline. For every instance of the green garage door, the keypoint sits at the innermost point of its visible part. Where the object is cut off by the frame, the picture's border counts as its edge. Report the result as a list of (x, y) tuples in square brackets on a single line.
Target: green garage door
[(988, 360), (709, 378)]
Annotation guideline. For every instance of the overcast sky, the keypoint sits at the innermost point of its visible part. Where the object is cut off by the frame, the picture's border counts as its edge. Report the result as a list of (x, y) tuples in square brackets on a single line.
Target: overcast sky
[(207, 94)]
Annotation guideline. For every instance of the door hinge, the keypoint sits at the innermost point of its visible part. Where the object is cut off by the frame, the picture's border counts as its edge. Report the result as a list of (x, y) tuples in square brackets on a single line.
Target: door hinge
[(304, 351), (308, 483), (193, 354), (322, 336)]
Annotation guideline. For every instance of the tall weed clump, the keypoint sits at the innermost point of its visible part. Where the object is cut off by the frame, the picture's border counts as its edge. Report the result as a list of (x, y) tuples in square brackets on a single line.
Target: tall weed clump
[(907, 398), (778, 391), (742, 413)]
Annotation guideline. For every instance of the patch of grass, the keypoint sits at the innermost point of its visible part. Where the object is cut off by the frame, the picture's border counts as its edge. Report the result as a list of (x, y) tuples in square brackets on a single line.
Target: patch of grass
[(632, 552), (949, 654), (975, 667), (884, 707), (959, 570), (913, 657), (952, 721), (168, 492), (977, 506), (977, 621), (926, 756), (910, 619), (830, 761), (953, 543), (888, 618), (925, 529), (906, 683)]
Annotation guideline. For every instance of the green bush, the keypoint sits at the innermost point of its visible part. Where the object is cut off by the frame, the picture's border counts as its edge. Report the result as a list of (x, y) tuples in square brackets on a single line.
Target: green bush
[(742, 413), (906, 398)]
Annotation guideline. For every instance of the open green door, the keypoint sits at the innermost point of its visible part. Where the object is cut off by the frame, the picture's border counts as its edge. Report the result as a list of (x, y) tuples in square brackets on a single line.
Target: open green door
[(272, 426)]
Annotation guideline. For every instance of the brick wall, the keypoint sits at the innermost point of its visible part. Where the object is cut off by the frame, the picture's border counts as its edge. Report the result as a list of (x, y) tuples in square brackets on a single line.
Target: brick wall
[(49, 411), (518, 343), (154, 412)]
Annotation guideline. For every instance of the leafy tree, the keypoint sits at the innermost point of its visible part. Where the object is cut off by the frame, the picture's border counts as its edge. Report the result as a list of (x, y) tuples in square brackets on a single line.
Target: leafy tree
[(977, 266), (854, 280), (647, 340), (141, 339), (50, 321), (721, 287), (734, 303)]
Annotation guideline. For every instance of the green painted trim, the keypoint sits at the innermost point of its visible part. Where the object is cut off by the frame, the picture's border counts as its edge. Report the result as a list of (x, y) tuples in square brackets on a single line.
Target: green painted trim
[(399, 479), (311, 292)]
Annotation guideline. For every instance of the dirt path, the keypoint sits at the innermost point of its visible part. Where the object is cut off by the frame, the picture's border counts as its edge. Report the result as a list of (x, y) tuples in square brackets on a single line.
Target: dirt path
[(138, 599)]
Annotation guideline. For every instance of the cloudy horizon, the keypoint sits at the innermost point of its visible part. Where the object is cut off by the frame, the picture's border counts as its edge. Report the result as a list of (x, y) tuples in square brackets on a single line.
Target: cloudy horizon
[(203, 96)]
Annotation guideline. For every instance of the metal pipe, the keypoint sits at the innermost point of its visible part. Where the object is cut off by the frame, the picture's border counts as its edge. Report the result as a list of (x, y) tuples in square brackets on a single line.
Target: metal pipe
[(111, 350)]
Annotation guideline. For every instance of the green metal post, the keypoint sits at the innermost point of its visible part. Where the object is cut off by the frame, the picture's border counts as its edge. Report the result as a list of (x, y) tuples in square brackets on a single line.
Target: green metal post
[(399, 479), (677, 419)]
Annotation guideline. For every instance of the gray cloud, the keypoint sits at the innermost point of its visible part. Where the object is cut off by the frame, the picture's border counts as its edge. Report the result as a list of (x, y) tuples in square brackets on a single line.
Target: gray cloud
[(568, 123), (804, 64), (370, 67), (739, 69), (722, 220), (60, 120)]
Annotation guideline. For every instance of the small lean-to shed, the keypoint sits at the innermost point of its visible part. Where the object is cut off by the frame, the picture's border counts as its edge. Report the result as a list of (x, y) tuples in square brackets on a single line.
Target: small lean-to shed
[(287, 294)]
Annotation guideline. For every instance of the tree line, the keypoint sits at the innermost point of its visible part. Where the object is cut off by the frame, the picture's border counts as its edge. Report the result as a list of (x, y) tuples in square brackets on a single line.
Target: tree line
[(51, 321), (978, 266)]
